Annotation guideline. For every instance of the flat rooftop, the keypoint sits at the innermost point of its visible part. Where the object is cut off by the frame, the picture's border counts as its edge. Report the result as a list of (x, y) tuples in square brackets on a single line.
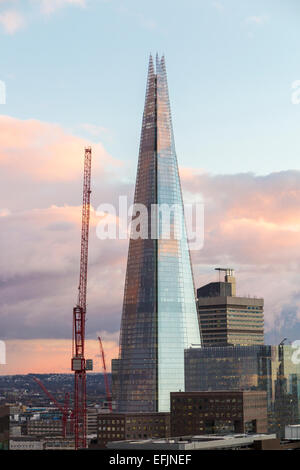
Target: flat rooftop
[(203, 442)]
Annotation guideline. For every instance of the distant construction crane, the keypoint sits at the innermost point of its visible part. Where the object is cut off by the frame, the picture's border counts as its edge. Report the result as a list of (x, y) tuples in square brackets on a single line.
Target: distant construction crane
[(64, 410), (282, 342), (79, 364), (108, 395)]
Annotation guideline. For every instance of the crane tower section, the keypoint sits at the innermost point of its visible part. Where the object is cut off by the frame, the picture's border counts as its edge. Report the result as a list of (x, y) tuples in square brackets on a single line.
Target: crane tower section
[(79, 364)]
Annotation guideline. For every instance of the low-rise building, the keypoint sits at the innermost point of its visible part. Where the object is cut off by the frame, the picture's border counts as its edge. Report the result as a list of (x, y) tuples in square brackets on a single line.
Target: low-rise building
[(52, 443), (194, 413), (44, 427), (121, 426), (207, 442), (26, 443)]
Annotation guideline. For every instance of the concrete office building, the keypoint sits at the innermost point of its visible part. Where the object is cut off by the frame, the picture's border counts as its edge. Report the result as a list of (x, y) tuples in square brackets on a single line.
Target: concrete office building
[(226, 319)]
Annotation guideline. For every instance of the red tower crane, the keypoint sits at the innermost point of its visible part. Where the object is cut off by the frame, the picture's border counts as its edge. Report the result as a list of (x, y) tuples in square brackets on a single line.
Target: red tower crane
[(79, 364), (108, 395), (64, 410)]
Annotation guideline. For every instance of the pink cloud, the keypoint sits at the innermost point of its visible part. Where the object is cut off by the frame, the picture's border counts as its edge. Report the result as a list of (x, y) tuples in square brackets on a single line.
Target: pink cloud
[(50, 6), (40, 270), (11, 21), (252, 224), (52, 356), (40, 236), (46, 151)]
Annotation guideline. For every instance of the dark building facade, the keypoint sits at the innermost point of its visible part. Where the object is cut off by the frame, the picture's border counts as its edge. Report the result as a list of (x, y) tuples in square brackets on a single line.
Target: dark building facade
[(126, 426), (4, 427), (159, 318), (261, 368), (228, 320), (224, 412)]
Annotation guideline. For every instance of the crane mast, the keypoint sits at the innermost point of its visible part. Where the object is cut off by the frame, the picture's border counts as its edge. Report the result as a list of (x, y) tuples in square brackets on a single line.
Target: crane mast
[(79, 364)]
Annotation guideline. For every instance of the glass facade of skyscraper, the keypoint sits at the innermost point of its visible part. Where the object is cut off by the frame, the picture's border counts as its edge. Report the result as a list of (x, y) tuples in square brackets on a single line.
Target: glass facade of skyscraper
[(257, 367), (159, 318)]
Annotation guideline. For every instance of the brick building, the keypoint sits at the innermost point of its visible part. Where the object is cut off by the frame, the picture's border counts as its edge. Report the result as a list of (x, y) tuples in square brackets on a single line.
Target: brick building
[(194, 413), (124, 426)]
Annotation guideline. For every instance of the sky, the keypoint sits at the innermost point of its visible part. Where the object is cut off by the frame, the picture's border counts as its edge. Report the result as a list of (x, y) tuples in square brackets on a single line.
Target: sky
[(75, 75)]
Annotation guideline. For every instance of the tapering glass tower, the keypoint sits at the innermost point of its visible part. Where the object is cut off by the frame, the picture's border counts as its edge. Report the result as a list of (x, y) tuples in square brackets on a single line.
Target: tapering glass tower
[(159, 318)]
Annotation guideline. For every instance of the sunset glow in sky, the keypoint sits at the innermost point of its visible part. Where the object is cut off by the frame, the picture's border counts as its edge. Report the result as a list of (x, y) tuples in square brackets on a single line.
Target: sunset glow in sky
[(75, 75)]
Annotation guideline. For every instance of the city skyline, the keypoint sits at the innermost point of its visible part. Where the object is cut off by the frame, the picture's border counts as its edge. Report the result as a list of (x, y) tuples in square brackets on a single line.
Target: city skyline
[(237, 140)]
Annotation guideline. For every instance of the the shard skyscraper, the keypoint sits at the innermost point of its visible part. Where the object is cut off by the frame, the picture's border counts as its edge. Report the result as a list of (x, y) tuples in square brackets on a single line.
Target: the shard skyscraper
[(159, 318)]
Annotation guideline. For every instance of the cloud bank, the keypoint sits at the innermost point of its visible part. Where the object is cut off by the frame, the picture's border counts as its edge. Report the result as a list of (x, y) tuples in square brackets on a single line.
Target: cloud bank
[(14, 19), (252, 224)]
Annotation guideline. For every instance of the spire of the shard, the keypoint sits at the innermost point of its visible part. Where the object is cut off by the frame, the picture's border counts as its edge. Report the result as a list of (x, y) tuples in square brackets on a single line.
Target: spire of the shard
[(163, 64), (150, 67)]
